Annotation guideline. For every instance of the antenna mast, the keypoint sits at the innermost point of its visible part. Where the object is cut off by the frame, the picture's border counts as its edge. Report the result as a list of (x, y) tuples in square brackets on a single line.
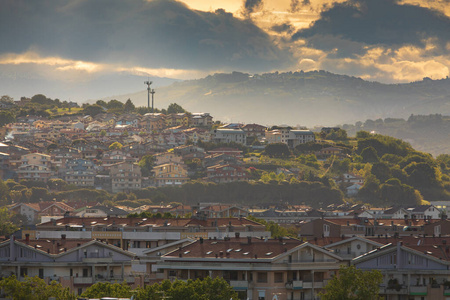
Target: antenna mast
[(153, 94), (148, 83)]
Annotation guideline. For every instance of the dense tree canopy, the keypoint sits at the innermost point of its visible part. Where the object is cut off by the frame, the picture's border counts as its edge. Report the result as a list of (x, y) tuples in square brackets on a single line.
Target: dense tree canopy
[(277, 150), (34, 288), (353, 284), (175, 108)]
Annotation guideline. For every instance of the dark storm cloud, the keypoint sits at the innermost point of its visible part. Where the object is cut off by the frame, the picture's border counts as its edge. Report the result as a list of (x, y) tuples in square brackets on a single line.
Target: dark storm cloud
[(283, 28), (296, 5), (251, 6), (376, 22), (160, 33)]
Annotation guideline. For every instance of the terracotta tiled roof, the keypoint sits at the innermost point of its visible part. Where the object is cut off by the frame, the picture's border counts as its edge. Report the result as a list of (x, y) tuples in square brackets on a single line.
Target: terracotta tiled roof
[(236, 248), (54, 246), (156, 222)]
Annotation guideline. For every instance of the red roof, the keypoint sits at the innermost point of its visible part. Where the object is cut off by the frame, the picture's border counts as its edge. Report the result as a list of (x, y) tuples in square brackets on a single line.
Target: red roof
[(236, 248)]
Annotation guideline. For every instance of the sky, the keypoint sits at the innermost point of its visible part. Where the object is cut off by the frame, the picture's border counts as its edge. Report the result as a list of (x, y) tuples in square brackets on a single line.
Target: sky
[(73, 41)]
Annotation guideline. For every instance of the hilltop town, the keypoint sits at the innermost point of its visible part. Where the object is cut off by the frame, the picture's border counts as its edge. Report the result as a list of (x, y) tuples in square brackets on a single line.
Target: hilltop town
[(111, 192)]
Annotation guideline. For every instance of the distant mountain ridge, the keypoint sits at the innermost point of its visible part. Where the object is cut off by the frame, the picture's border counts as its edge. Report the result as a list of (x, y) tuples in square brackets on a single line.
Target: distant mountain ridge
[(301, 98)]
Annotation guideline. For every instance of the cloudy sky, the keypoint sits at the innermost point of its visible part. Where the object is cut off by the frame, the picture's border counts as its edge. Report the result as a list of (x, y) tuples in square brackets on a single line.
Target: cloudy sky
[(78, 40)]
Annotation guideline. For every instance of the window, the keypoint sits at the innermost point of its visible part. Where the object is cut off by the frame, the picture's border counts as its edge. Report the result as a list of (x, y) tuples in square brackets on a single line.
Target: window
[(41, 273), (23, 272), (278, 277), (261, 295), (262, 277)]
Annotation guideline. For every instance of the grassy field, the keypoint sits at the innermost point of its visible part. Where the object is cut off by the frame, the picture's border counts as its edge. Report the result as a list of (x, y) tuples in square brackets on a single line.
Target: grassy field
[(64, 111)]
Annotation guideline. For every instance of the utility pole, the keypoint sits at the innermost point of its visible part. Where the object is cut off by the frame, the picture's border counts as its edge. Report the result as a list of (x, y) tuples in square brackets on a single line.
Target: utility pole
[(148, 83), (153, 94)]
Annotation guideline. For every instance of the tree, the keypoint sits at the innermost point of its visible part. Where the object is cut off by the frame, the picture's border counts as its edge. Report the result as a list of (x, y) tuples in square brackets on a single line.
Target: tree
[(381, 171), (56, 184), (206, 288), (41, 99), (101, 103), (146, 163), (93, 110), (115, 146), (6, 225), (106, 289), (129, 106), (34, 288), (175, 109), (4, 193), (7, 99), (277, 150), (353, 284), (38, 194), (115, 105), (6, 117), (369, 155)]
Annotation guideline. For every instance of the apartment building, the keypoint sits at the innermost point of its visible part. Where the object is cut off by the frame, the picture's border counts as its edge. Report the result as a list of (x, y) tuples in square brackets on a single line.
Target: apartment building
[(35, 166), (227, 173), (256, 268), (229, 136), (76, 264), (125, 177), (170, 174), (140, 234)]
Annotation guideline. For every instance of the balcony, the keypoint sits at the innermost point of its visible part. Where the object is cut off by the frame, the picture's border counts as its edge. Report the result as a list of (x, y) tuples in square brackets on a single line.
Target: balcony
[(418, 290), (83, 280), (294, 285), (239, 284), (394, 291)]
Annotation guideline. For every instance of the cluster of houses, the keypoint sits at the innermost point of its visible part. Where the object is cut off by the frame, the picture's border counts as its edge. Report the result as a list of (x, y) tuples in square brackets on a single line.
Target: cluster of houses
[(103, 151), (410, 246)]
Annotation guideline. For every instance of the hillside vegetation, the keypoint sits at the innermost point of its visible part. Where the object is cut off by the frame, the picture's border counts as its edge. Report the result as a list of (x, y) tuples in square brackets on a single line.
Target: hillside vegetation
[(428, 133)]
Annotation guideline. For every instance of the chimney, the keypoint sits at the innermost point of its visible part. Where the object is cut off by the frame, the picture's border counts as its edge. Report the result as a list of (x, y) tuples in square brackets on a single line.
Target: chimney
[(201, 240), (249, 239), (27, 238), (237, 234), (256, 256)]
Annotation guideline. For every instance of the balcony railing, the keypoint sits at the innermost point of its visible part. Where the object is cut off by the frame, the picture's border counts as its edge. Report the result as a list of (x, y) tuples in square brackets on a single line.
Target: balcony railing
[(239, 284), (294, 285), (402, 290), (418, 290), (83, 280)]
